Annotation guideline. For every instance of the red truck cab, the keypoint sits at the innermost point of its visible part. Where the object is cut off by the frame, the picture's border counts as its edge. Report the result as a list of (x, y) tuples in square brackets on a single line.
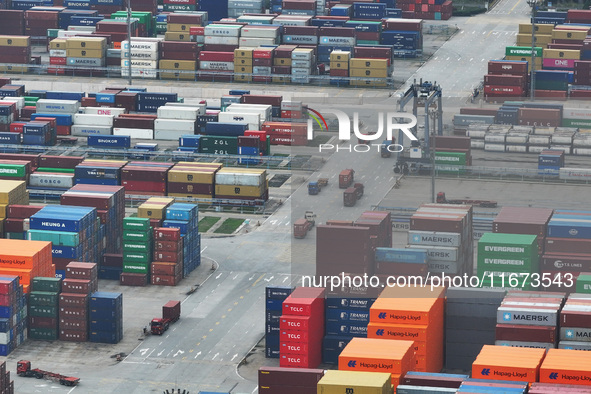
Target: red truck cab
[(171, 312)]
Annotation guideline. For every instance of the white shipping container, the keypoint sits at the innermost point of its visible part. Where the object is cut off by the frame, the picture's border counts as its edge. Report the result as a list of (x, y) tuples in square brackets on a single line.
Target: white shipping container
[(300, 79), (200, 107), (494, 147), (517, 138), (86, 130), (140, 55), (494, 137), (5, 338), (240, 179), (580, 174), (301, 63), (181, 113), (43, 179), (341, 41), (516, 148), (582, 151), (477, 144), (582, 142), (536, 149), (145, 134), (68, 33), (478, 134), (543, 140), (84, 29), (45, 106), (253, 120), (563, 139), (168, 135), (250, 42), (223, 30), (297, 39), (260, 32), (139, 64), (286, 20), (91, 119), (222, 66), (565, 148), (300, 71), (140, 73), (544, 130), (302, 54), (141, 44), (445, 267), (291, 105), (261, 70), (221, 40), (57, 53), (19, 101), (576, 113), (114, 111), (264, 111), (187, 126)]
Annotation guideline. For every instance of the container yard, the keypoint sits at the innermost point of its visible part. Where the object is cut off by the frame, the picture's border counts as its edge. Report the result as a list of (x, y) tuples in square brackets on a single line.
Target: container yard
[(297, 196)]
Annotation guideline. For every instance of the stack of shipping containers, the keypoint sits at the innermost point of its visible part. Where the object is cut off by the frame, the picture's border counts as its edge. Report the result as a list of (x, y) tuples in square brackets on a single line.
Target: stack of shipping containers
[(184, 217), (73, 301), (86, 52), (137, 250), (13, 311), (495, 361), (574, 325), (11, 193), (273, 380), (105, 317), (15, 50), (145, 178), (143, 55), (243, 64), (246, 184), (179, 58), (44, 308), (196, 180), (506, 78), (167, 265), (339, 66), (301, 328), (274, 297)]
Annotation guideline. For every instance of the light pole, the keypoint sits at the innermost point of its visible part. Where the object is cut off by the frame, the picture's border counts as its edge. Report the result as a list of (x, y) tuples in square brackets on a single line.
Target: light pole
[(534, 6), (129, 42)]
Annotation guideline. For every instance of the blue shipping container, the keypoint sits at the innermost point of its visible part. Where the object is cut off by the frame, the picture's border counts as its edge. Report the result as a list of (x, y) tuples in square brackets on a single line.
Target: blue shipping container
[(575, 227), (350, 303), (225, 129), (65, 95), (338, 328), (119, 141), (60, 119), (418, 256), (10, 138), (103, 299), (347, 315), (278, 292)]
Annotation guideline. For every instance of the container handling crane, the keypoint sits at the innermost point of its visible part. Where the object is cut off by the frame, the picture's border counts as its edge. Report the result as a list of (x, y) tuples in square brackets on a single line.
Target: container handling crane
[(417, 159), (23, 368)]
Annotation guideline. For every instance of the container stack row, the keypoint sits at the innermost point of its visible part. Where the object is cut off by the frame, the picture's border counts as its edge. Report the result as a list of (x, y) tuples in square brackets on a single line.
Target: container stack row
[(167, 267), (44, 308), (274, 297), (138, 246), (80, 282), (13, 312), (105, 317), (184, 217)]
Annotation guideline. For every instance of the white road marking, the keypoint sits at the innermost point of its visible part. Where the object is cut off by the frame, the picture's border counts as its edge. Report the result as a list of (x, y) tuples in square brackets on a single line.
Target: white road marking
[(269, 279), (236, 355), (179, 352), (144, 351), (217, 277), (159, 354), (234, 278), (284, 279), (252, 277), (197, 354), (202, 250), (145, 358), (217, 354)]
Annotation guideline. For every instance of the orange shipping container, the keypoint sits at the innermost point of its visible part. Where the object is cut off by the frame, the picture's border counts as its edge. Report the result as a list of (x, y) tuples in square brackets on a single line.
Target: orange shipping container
[(567, 367), (409, 305), (508, 363), (20, 254), (377, 355)]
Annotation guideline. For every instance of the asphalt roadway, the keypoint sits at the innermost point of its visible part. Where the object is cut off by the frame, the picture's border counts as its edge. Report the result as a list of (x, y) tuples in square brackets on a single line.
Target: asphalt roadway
[(224, 319)]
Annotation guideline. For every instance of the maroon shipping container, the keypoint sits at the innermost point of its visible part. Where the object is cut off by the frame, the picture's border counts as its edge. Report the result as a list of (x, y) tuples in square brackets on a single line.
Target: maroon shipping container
[(80, 286), (134, 123), (551, 94), (552, 388), (172, 257), (73, 324), (43, 322), (32, 159), (22, 211), (262, 99), (373, 53), (582, 94), (73, 313), (152, 174), (565, 262), (167, 234), (173, 46), (507, 67), (73, 300), (521, 333), (60, 161), (309, 5), (168, 246), (78, 270), (184, 19), (191, 188), (172, 55), (166, 280), (575, 318), (73, 335), (216, 56), (568, 246), (171, 310), (284, 51), (402, 25), (291, 377), (130, 279), (566, 45), (112, 260), (432, 381), (166, 269), (336, 31), (145, 187), (82, 199), (505, 80)]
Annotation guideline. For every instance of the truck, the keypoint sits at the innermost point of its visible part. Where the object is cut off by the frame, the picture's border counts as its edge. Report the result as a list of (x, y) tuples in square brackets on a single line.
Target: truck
[(171, 312), (352, 194), (316, 186), (302, 226), (346, 178), (24, 369), (441, 199), (384, 152)]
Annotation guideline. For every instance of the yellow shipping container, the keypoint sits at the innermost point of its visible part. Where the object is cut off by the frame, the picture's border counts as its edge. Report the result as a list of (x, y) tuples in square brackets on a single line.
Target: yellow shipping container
[(189, 195), (243, 69), (243, 61), (3, 211), (242, 78), (369, 83), (90, 53), (187, 76), (151, 211), (14, 69), (58, 43), (345, 382), (187, 65), (15, 41), (281, 61), (340, 56), (569, 35), (525, 28), (176, 36), (178, 27), (238, 191), (13, 192), (191, 176), (339, 65), (561, 54), (538, 62), (86, 43), (243, 53), (369, 63), (368, 72), (285, 79)]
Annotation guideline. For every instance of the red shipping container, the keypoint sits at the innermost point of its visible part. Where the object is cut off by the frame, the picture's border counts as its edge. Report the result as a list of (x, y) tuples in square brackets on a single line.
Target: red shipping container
[(521, 333), (166, 269), (505, 80), (311, 361), (304, 301), (80, 286), (167, 234), (58, 61), (298, 323), (112, 260), (78, 270), (216, 56), (168, 246), (73, 300), (73, 335), (73, 324), (23, 211), (130, 279), (166, 280), (507, 67), (172, 257), (139, 187), (43, 322), (17, 127), (73, 313), (503, 90), (302, 349)]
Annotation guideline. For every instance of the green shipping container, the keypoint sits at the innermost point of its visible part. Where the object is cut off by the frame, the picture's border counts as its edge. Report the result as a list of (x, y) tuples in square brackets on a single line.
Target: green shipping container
[(143, 247), (137, 236), (136, 224), (523, 51), (60, 238), (514, 265), (43, 333), (447, 169), (43, 311), (578, 123), (136, 268), (137, 257), (455, 158), (498, 282), (583, 284), (551, 85), (52, 285), (15, 236), (218, 145), (499, 245), (13, 170), (43, 298), (60, 170)]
